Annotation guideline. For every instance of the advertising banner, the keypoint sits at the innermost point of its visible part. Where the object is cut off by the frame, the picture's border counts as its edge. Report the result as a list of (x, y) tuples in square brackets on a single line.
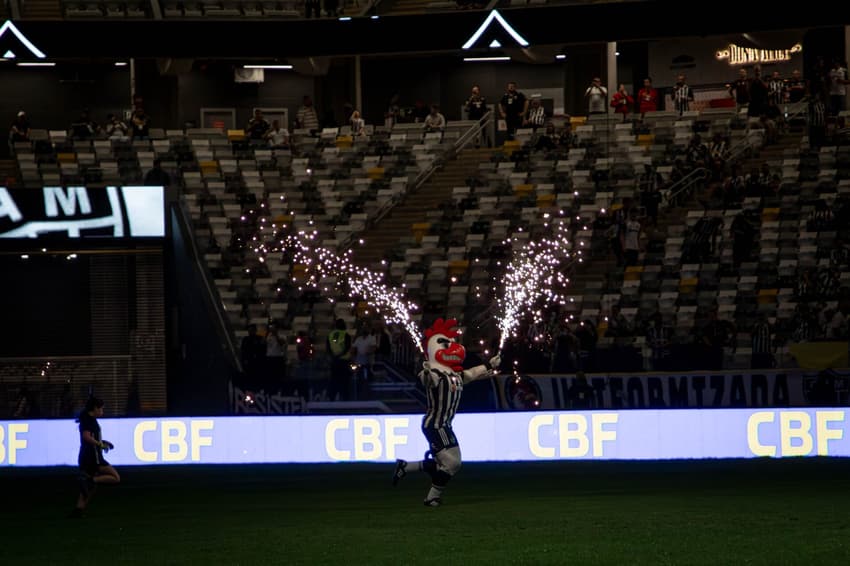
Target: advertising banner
[(679, 391), (516, 436)]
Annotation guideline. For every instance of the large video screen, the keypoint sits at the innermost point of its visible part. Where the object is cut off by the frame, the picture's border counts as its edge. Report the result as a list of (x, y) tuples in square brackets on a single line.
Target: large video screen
[(532, 436), (82, 213)]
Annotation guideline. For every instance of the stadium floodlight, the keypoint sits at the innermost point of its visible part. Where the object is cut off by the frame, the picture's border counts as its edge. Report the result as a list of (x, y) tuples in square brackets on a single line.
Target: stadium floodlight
[(120, 63), (35, 64), (560, 56)]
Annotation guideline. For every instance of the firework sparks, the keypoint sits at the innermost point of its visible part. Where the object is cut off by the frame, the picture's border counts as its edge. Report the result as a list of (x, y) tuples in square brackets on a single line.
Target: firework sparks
[(535, 278), (322, 264)]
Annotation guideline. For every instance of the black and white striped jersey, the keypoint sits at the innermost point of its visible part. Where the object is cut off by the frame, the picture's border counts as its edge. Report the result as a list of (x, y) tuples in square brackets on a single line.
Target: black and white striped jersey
[(443, 391)]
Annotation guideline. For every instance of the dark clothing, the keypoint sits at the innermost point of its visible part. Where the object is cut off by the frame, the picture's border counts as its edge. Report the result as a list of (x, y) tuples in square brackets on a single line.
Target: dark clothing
[(758, 98), (91, 457), (157, 177), (476, 107), (257, 128), (514, 105), (439, 438), (253, 358), (796, 90), (338, 345)]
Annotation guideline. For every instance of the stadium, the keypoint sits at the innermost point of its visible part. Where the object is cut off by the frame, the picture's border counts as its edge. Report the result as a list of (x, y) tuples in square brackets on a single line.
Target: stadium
[(405, 281)]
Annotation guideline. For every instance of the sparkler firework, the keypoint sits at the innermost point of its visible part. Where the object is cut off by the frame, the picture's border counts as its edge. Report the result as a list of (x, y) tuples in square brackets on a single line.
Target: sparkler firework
[(535, 278), (323, 264)]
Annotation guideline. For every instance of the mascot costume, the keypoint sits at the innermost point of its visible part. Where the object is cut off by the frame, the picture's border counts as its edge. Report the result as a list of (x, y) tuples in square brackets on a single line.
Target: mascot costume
[(443, 377)]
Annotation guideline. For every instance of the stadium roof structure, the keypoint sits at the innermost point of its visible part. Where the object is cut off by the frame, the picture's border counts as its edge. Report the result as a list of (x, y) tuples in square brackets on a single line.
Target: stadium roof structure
[(547, 25)]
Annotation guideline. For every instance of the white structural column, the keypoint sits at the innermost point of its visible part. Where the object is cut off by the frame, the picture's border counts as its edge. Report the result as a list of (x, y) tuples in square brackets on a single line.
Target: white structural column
[(847, 58), (358, 85), (132, 80), (611, 66)]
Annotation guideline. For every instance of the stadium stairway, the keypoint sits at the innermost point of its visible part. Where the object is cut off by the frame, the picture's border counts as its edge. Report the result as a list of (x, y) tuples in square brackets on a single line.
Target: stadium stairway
[(42, 10), (387, 233)]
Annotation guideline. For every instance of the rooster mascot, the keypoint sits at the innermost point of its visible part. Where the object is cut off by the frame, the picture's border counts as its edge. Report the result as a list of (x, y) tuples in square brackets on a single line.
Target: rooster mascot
[(443, 377)]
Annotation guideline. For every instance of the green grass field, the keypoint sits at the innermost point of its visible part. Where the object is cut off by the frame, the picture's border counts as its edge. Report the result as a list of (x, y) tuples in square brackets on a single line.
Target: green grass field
[(710, 512)]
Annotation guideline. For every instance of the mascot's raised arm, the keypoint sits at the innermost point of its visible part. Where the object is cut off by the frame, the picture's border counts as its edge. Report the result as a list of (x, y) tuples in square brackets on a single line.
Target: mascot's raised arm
[(443, 377)]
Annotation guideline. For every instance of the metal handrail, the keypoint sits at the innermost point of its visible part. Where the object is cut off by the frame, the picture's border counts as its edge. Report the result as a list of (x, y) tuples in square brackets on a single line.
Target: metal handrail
[(212, 292), (685, 183), (460, 144)]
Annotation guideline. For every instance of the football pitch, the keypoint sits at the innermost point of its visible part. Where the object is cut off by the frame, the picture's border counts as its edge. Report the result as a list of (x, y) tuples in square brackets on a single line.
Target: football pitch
[(707, 512)]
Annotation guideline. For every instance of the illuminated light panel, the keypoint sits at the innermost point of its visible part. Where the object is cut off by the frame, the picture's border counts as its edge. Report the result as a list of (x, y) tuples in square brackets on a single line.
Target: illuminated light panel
[(8, 26), (271, 67), (485, 59), (495, 15)]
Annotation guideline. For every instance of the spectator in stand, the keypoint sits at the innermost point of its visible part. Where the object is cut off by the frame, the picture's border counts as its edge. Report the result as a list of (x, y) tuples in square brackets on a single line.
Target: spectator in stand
[(622, 102), (546, 140), (512, 108), (476, 108), (740, 89), (339, 348), (275, 361), (716, 334), (253, 357), (839, 255), (157, 176), (567, 138), (696, 154), (647, 98), (828, 283), (566, 350), (277, 137), (536, 116), (304, 348), (817, 120), (615, 234), (650, 193), (393, 112), (682, 95), (618, 325), (84, 128), (306, 117), (659, 337), (770, 182), (821, 217), (837, 86), (312, 8), (257, 127), (332, 8), (776, 90), (796, 87), (363, 348), (631, 239), (804, 325), (758, 95), (806, 286), (420, 112), (742, 233), (762, 344), (718, 152), (358, 124), (115, 128), (140, 124), (20, 129), (435, 122), (597, 97), (587, 338)]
